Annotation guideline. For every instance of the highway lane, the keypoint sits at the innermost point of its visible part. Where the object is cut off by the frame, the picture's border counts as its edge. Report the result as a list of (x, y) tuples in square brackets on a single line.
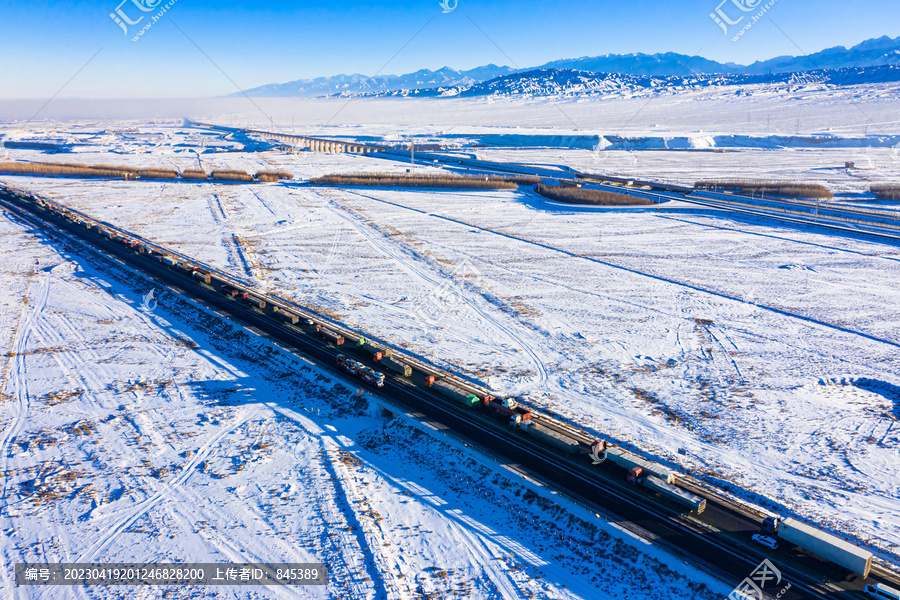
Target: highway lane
[(790, 210), (785, 212), (824, 206), (569, 174), (816, 214), (600, 486), (881, 224)]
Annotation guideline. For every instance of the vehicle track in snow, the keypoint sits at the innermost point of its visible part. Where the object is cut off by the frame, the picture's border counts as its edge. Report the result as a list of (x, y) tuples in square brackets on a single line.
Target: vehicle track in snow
[(346, 493), (414, 265), (131, 515), (785, 239), (633, 271), (333, 509), (19, 379)]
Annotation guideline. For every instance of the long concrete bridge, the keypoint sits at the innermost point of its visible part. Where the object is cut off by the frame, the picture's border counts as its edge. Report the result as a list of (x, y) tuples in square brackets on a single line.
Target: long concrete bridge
[(299, 141)]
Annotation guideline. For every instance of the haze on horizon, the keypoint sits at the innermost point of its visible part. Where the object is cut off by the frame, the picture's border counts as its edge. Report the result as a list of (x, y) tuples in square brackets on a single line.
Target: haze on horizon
[(198, 48)]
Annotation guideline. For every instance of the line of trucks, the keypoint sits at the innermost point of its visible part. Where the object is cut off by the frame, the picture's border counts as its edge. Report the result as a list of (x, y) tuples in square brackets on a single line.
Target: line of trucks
[(652, 477)]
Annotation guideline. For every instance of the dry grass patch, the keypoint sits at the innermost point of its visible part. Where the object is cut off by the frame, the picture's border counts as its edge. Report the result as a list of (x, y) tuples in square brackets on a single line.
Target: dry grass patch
[(85, 170), (65, 170), (886, 191), (158, 174), (790, 189), (426, 181), (272, 176), (194, 174), (231, 175), (574, 195)]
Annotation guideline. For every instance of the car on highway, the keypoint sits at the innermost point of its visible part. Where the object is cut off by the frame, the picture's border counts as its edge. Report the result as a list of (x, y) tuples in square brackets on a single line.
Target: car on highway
[(879, 590), (764, 540)]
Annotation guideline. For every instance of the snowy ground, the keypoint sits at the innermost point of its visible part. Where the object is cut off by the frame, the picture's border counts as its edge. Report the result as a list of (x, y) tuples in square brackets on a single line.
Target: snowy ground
[(152, 431), (746, 352)]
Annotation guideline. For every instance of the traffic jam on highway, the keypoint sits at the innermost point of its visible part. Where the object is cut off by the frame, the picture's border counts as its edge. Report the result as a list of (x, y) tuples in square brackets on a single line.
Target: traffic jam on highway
[(371, 363)]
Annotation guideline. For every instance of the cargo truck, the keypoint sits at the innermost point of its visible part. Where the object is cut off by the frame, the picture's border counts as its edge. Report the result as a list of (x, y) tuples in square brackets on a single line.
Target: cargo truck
[(230, 291), (551, 437), (354, 340), (362, 372), (202, 276), (456, 393), (253, 300), (331, 336), (508, 409), (628, 460), (823, 544), (377, 352), (396, 366), (639, 476), (286, 316)]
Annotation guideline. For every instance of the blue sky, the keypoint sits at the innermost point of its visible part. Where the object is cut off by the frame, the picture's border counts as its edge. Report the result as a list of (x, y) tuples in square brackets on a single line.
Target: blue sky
[(201, 48)]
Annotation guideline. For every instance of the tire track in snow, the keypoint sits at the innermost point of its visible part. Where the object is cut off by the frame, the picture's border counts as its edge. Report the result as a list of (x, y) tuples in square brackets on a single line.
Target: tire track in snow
[(186, 506), (342, 497), (342, 544), (725, 350), (784, 239), (481, 555), (634, 271), (236, 255), (61, 332), (262, 202), (19, 380), (216, 210), (144, 507), (381, 560), (428, 276)]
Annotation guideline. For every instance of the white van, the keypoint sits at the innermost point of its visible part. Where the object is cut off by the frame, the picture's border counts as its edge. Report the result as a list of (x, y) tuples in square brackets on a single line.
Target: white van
[(879, 590)]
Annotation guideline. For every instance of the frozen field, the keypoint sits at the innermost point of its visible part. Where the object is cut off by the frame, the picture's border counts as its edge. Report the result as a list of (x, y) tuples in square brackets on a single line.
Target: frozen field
[(140, 428), (753, 355)]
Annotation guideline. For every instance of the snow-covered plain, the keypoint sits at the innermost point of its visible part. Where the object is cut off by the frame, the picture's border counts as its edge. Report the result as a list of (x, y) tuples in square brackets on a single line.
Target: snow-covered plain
[(754, 355), (146, 429)]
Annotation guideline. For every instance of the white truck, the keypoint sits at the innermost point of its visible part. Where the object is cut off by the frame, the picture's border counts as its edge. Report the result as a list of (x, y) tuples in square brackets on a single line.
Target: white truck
[(823, 544)]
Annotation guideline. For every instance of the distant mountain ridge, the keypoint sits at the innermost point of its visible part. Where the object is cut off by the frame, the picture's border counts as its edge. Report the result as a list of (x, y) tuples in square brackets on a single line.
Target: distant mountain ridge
[(572, 82), (873, 53), (876, 52), (362, 84)]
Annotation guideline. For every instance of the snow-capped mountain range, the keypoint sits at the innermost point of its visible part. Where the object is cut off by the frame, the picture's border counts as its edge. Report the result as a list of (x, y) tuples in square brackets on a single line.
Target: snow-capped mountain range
[(867, 62), (571, 82)]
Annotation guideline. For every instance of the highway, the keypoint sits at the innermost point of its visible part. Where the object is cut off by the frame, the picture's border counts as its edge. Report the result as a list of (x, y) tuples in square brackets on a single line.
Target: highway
[(849, 219), (717, 540)]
